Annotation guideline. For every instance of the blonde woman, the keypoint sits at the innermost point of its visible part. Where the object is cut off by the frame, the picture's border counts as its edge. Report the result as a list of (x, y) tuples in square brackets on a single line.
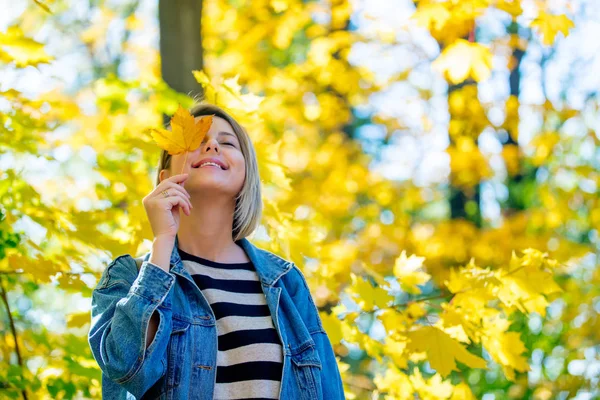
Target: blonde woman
[(206, 314)]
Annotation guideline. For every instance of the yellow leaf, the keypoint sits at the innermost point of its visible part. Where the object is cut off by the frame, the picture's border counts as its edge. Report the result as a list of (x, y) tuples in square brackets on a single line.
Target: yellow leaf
[(24, 51), (549, 25), (442, 351), (333, 326), (513, 7), (506, 348), (395, 350), (394, 382), (457, 323), (368, 296), (374, 348), (393, 321), (78, 319), (470, 277), (43, 6), (185, 135), (462, 391), (464, 59), (432, 388), (433, 16), (415, 310), (527, 281), (408, 274)]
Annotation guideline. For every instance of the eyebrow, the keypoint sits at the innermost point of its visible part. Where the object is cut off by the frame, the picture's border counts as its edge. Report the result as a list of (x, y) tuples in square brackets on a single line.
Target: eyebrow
[(227, 133)]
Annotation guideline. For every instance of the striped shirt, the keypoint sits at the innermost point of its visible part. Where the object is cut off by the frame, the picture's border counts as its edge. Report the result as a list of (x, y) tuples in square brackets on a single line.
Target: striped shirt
[(249, 351)]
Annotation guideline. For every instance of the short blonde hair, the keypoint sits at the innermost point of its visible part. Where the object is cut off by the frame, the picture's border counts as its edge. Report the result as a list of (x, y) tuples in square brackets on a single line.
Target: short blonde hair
[(248, 204)]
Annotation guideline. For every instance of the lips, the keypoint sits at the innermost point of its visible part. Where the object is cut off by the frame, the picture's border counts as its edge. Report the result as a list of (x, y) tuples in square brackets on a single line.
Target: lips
[(214, 160)]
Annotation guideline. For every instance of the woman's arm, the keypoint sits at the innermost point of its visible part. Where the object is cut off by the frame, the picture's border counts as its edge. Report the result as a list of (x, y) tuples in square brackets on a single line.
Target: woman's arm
[(332, 379), (122, 305)]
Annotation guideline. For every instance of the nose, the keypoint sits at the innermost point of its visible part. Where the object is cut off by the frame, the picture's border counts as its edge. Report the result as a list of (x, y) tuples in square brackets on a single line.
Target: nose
[(210, 143)]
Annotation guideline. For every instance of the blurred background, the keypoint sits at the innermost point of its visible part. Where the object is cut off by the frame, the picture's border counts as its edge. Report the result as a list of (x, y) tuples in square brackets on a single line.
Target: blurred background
[(431, 166)]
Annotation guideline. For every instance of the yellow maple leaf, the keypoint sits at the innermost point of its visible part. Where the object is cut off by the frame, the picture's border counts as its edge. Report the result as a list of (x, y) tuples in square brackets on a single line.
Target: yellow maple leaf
[(464, 59), (226, 93), (407, 270), (368, 296), (442, 351), (506, 348), (549, 25), (23, 51), (185, 135), (527, 281)]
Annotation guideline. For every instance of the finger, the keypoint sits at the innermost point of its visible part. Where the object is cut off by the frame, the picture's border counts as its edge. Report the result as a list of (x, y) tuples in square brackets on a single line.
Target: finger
[(178, 188), (184, 204), (177, 199), (173, 189), (179, 178), (183, 192)]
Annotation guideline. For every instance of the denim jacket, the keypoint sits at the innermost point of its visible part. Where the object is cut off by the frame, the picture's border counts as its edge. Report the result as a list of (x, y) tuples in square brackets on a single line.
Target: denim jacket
[(180, 363)]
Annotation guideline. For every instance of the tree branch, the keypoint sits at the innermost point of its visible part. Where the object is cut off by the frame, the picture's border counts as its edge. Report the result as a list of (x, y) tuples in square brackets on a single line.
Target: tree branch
[(14, 333)]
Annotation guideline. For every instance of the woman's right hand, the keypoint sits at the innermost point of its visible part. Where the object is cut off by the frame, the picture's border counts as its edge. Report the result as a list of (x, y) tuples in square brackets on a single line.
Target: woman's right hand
[(163, 212)]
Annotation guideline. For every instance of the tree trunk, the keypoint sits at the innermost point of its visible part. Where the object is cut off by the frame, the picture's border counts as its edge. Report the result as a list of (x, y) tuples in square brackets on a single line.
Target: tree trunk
[(181, 44)]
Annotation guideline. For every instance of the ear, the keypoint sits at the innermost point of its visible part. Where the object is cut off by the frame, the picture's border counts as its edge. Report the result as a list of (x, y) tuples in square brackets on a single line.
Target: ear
[(164, 174)]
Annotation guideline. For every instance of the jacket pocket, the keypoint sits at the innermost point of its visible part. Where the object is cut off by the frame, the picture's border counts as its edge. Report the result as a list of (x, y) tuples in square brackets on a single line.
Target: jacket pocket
[(176, 351), (306, 366)]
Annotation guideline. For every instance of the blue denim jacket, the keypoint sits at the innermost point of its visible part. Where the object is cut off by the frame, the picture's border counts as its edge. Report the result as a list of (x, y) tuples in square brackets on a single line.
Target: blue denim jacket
[(180, 363)]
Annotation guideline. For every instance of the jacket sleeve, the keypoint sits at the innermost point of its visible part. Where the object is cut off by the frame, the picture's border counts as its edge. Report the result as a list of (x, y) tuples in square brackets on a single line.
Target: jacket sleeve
[(122, 304), (331, 379)]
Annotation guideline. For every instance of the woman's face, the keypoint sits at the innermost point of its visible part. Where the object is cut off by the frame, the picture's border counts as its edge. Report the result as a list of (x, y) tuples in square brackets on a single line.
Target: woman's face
[(222, 145)]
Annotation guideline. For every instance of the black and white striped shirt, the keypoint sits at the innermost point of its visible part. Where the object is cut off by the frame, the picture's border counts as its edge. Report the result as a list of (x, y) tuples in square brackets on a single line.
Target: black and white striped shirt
[(249, 354)]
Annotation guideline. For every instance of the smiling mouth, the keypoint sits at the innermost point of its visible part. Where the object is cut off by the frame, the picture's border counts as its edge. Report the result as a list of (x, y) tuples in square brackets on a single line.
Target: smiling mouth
[(210, 166)]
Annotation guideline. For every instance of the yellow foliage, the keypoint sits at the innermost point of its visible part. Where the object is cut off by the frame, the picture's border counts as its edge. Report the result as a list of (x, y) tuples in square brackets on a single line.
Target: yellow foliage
[(394, 382), (322, 201), (442, 350), (506, 348), (549, 25), (462, 391), (78, 320), (23, 51), (406, 269), (367, 295), (468, 166), (433, 388), (333, 327), (462, 60)]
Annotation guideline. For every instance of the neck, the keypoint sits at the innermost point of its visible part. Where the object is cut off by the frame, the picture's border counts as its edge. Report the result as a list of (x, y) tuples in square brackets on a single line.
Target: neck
[(207, 231)]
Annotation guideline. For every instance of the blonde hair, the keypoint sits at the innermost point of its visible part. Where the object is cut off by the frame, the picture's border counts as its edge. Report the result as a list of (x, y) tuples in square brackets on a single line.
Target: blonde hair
[(248, 204)]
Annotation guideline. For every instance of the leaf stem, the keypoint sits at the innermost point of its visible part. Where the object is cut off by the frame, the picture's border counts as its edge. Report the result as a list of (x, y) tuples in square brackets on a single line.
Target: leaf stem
[(184, 162)]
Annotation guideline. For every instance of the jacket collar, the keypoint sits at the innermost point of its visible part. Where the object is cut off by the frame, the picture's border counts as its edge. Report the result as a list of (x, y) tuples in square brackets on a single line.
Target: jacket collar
[(269, 266)]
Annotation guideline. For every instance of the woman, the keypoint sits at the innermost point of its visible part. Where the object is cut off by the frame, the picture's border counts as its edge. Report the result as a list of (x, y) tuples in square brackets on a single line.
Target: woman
[(208, 314)]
